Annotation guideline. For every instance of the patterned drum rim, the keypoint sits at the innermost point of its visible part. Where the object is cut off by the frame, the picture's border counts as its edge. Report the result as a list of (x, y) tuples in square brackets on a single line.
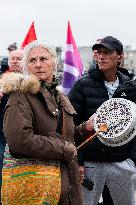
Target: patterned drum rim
[(120, 116)]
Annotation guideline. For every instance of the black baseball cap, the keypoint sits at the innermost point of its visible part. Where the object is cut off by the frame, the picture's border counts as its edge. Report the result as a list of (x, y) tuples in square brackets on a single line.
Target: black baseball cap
[(111, 43)]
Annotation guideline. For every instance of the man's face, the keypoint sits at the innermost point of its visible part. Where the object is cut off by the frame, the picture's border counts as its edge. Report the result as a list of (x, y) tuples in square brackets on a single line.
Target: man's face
[(40, 63), (15, 59), (107, 59)]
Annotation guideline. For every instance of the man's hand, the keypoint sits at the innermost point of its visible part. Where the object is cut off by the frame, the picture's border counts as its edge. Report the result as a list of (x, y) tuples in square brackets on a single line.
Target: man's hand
[(90, 123)]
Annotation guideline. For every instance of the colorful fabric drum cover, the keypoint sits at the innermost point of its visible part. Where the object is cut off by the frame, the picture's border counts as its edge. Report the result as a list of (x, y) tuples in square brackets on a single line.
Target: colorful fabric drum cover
[(120, 116), (30, 182)]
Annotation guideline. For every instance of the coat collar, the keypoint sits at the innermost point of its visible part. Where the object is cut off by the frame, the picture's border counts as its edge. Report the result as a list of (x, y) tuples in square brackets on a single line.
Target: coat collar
[(50, 101), (17, 82), (52, 105), (65, 103), (97, 74)]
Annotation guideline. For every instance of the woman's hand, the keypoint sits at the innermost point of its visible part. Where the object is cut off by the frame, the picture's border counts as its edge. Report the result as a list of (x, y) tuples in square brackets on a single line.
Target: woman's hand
[(69, 152)]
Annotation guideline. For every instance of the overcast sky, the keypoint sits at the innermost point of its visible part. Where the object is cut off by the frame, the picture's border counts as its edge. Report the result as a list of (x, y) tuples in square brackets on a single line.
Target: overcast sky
[(90, 20)]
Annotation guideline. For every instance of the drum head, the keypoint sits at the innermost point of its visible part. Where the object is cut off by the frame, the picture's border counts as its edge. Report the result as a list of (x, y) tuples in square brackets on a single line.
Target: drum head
[(120, 116)]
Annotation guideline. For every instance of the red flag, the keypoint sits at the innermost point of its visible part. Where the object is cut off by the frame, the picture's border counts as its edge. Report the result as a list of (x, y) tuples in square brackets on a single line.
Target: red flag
[(30, 36)]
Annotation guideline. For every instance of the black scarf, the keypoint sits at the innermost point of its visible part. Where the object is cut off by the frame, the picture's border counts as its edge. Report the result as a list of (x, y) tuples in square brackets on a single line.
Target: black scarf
[(52, 89)]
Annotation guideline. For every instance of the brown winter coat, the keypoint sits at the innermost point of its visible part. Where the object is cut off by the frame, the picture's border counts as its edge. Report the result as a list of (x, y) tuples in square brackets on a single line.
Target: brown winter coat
[(30, 128)]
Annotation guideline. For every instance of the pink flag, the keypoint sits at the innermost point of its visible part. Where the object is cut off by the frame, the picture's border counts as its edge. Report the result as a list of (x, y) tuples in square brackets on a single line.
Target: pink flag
[(73, 67), (30, 36)]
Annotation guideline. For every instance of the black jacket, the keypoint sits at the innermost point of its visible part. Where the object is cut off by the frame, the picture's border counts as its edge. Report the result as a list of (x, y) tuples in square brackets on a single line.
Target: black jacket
[(87, 94), (4, 65)]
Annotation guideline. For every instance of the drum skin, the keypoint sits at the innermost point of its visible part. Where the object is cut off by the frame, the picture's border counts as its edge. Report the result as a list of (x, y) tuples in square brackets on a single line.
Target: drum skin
[(120, 116)]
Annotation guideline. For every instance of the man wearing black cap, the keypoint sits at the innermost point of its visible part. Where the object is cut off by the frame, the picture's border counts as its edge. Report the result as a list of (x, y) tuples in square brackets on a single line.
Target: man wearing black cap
[(87, 95)]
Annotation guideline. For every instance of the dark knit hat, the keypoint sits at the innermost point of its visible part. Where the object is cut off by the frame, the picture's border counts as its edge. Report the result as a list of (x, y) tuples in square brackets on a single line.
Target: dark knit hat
[(12, 47)]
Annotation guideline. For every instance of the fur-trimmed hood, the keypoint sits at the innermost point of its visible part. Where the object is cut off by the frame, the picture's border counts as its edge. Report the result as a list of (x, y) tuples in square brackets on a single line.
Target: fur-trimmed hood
[(18, 82)]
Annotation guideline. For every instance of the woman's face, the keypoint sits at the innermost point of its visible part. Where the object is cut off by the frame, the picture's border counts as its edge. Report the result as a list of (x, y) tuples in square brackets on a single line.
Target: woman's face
[(40, 63)]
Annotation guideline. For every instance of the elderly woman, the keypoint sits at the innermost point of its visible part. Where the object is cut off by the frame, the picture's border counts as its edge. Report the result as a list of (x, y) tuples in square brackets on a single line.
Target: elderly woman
[(40, 165)]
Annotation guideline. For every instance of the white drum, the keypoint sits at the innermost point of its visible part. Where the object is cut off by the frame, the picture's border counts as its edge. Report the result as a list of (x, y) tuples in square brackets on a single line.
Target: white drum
[(120, 116)]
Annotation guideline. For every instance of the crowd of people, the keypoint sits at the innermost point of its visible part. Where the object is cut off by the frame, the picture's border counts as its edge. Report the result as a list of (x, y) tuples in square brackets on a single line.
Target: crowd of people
[(41, 129)]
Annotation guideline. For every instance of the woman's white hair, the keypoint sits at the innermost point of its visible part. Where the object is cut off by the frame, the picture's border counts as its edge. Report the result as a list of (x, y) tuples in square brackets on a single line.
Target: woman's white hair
[(36, 44)]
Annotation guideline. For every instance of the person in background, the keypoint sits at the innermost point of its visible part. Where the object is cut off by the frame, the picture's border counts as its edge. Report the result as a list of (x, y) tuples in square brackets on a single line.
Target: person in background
[(15, 61), (15, 58), (12, 47), (96, 159), (4, 64), (40, 164), (3, 101), (95, 55)]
